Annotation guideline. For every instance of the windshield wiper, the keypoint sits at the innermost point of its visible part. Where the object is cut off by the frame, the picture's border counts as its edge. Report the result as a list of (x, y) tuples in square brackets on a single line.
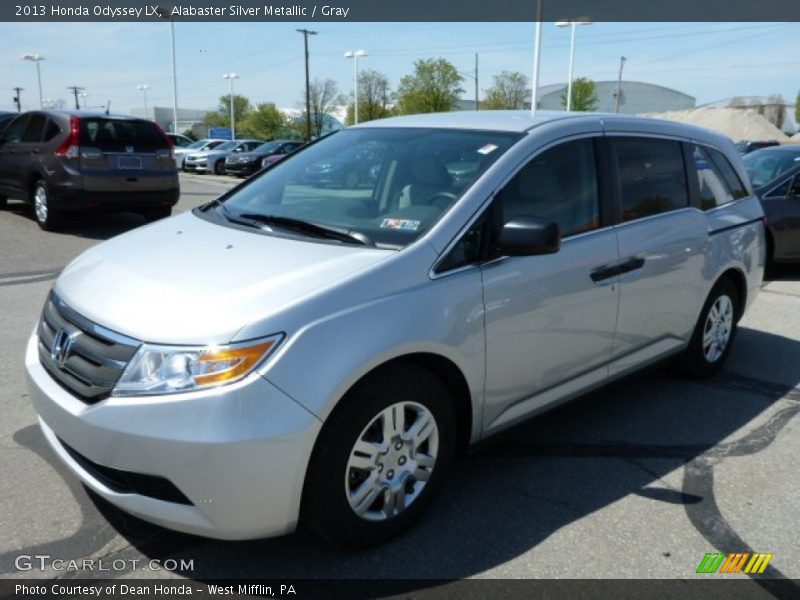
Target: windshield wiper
[(347, 236)]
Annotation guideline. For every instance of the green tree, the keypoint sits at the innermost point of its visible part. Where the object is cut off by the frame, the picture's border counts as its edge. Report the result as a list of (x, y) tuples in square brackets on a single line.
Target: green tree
[(584, 95), (266, 122), (434, 86), (374, 96), (222, 116), (509, 91), (797, 109)]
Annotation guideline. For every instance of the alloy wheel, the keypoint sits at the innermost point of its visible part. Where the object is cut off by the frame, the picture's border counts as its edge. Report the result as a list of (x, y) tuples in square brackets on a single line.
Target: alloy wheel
[(718, 328), (40, 203)]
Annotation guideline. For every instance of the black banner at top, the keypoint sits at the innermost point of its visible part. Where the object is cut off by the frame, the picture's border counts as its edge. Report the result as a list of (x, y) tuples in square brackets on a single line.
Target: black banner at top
[(401, 10)]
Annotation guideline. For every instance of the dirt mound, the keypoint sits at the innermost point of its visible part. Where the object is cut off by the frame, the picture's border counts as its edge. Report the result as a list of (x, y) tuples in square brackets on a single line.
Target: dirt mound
[(737, 123)]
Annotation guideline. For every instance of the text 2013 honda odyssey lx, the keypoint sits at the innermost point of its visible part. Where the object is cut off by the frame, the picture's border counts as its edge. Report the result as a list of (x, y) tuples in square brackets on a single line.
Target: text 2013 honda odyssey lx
[(291, 352)]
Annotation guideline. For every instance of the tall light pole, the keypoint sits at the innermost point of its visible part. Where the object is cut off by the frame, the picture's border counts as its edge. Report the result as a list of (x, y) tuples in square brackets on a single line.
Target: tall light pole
[(37, 58), (355, 54), (573, 25), (174, 80), (306, 33), (143, 88), (230, 77), (537, 52)]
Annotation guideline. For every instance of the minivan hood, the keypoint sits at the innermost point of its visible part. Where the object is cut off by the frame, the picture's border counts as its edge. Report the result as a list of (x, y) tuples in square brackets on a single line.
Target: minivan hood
[(185, 280)]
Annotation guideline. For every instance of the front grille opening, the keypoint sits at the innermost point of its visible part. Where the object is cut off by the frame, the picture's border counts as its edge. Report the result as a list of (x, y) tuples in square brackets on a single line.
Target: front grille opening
[(128, 482)]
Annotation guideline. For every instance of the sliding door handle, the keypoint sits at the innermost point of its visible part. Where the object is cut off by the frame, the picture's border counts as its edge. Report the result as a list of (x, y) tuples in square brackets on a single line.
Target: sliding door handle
[(603, 273), (632, 264)]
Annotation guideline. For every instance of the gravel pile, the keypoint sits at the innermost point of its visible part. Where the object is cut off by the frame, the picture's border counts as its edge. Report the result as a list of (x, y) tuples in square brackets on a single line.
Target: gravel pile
[(737, 123)]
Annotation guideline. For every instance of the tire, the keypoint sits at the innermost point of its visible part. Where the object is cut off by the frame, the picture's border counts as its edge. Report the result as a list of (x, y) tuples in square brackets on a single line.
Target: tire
[(717, 325), (3, 202), (155, 214), (219, 167), (47, 217), (385, 471)]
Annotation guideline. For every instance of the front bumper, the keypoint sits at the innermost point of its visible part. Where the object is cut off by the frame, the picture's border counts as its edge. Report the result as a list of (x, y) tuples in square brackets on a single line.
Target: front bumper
[(238, 453), (242, 169)]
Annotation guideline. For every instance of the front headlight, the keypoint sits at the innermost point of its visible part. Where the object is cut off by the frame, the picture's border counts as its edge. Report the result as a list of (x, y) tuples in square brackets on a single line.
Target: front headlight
[(170, 369)]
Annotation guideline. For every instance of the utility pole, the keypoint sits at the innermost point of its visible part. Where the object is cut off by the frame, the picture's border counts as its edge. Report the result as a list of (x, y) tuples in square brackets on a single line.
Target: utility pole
[(306, 33), (75, 89), (537, 52), (622, 60), (17, 98), (477, 106)]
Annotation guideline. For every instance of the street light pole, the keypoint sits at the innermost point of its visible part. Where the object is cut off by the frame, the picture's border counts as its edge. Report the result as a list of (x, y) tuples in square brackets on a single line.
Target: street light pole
[(174, 80), (354, 54), (573, 26), (306, 33), (144, 87), (537, 51), (230, 77), (37, 58)]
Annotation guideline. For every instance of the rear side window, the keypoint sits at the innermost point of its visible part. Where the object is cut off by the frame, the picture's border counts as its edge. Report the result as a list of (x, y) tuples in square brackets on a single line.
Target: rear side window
[(716, 179), (51, 130), (35, 129), (652, 176), (111, 135), (560, 185)]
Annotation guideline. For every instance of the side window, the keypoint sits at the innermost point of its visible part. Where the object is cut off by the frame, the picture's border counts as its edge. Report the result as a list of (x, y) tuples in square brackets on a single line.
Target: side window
[(560, 185), (35, 129), (467, 250), (16, 129), (652, 176), (51, 130), (794, 189), (780, 190), (717, 181)]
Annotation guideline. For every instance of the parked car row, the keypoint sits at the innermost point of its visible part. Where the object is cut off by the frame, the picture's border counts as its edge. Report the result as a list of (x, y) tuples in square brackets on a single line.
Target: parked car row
[(240, 158)]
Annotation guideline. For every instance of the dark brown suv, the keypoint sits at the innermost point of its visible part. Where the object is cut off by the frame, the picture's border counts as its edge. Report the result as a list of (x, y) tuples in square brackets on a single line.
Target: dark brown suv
[(62, 161)]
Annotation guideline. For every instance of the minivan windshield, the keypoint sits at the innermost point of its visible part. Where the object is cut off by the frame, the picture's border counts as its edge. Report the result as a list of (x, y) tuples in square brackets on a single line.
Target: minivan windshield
[(387, 184)]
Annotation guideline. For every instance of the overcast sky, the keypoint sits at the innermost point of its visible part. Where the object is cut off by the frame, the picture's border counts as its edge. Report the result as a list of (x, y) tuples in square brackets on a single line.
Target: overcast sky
[(707, 61)]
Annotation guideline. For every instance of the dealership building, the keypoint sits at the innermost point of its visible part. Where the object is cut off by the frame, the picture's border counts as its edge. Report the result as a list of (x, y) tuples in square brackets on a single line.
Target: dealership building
[(636, 97)]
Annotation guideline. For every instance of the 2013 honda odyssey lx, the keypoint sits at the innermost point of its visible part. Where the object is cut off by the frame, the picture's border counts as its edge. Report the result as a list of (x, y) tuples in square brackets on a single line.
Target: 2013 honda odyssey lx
[(297, 353)]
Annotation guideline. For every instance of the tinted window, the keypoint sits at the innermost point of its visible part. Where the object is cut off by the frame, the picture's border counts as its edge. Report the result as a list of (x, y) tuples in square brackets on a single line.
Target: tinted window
[(560, 185), (652, 177), (16, 129), (781, 190), (35, 129), (717, 181), (111, 135), (51, 130), (765, 165)]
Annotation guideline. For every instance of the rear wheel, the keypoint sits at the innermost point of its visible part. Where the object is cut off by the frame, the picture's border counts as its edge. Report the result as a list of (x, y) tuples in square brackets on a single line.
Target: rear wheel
[(380, 457), (715, 331), (48, 217)]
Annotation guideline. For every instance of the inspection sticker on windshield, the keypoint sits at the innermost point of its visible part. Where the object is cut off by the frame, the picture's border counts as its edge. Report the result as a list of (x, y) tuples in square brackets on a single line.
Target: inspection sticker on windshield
[(400, 224), (487, 149)]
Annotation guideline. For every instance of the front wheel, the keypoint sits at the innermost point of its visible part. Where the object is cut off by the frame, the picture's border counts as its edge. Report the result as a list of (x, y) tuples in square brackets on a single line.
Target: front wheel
[(47, 217), (380, 457), (715, 331), (219, 167)]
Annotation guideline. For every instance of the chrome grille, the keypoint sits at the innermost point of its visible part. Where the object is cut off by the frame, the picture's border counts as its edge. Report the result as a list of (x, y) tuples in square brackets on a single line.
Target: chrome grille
[(89, 364)]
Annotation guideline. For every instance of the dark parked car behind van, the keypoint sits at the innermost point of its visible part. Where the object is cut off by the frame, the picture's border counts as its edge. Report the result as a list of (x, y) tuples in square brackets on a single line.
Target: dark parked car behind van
[(69, 161)]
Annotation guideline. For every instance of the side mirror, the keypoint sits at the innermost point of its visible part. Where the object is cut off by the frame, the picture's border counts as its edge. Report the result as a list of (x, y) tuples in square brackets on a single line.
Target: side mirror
[(528, 236)]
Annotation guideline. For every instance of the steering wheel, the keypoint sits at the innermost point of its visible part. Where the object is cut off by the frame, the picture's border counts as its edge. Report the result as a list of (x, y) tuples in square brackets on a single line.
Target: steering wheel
[(448, 198)]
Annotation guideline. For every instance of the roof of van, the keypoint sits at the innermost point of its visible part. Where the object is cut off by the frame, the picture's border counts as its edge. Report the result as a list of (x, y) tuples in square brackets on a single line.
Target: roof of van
[(521, 121)]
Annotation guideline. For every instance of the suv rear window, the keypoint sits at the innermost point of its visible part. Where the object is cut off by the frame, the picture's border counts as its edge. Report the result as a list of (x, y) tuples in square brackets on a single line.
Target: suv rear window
[(112, 135)]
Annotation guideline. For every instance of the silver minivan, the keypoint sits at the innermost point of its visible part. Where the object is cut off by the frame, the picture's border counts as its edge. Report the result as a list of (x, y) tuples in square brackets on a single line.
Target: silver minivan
[(292, 352)]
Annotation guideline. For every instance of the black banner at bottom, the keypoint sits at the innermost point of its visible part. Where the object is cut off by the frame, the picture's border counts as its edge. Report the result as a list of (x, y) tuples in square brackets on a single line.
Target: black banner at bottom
[(312, 589)]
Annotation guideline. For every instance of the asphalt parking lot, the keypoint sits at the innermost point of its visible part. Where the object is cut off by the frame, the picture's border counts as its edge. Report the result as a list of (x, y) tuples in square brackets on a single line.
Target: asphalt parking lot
[(638, 480)]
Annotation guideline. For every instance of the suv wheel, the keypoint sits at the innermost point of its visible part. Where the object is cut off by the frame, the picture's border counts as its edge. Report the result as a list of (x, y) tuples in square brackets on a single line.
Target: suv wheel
[(715, 331), (380, 457), (219, 167), (3, 201), (46, 216)]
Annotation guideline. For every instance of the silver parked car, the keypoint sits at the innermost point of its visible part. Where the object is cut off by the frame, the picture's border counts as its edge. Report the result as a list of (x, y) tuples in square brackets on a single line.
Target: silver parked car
[(212, 160), (181, 152), (291, 352)]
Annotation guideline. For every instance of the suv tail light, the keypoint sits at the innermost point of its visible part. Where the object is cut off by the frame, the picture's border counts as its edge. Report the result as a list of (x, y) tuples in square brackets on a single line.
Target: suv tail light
[(168, 141), (70, 147)]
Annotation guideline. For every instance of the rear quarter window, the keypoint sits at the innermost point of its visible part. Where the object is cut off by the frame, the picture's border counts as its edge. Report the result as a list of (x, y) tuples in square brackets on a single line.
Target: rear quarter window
[(717, 180), (111, 135)]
